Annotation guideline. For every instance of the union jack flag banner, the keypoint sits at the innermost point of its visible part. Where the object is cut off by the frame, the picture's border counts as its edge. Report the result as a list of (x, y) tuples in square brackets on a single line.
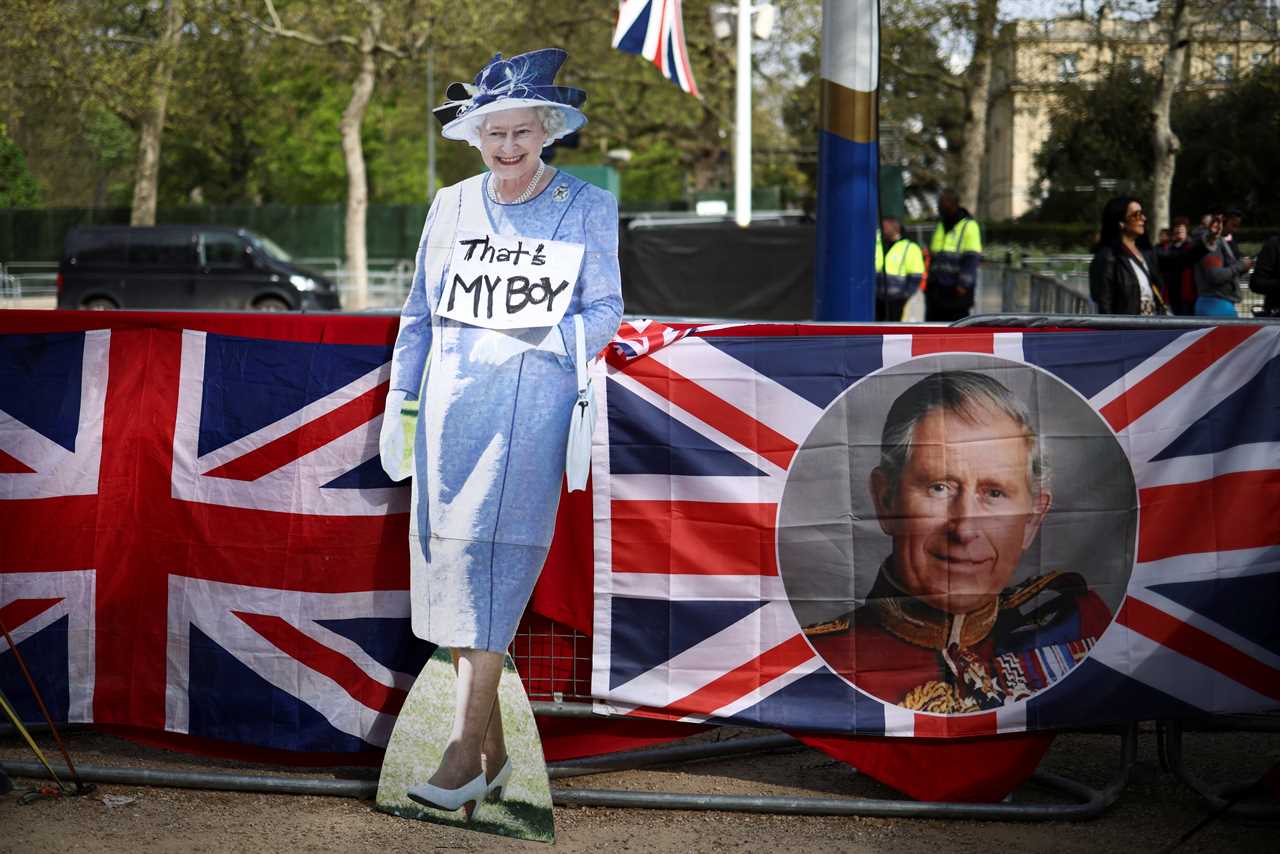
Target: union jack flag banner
[(195, 533), (699, 561), (655, 30), (196, 536)]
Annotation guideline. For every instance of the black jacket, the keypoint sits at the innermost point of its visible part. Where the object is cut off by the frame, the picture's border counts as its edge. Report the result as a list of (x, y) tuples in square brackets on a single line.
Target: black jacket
[(1114, 285), (1178, 259), (1266, 276)]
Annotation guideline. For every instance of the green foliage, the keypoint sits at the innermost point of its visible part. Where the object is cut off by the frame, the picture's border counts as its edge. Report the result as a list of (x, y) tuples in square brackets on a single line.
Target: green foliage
[(1099, 146), (253, 119), (921, 115), (1047, 236), (111, 145), (917, 98), (18, 188), (654, 174), (301, 159), (1229, 149)]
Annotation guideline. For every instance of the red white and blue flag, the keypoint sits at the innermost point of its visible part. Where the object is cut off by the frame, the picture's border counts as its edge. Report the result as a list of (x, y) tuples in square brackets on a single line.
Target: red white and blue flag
[(196, 536), (655, 30), (691, 619)]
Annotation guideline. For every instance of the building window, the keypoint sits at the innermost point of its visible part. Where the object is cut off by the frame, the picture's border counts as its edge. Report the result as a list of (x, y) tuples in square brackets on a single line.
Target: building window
[(1068, 66), (1258, 59), (1223, 66), (1134, 63)]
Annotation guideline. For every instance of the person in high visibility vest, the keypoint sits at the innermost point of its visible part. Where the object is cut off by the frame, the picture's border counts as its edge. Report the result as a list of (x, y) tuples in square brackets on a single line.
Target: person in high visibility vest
[(957, 252), (899, 269)]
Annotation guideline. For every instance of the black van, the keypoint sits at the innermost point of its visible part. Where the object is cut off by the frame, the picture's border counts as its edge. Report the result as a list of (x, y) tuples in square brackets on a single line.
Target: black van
[(184, 266)]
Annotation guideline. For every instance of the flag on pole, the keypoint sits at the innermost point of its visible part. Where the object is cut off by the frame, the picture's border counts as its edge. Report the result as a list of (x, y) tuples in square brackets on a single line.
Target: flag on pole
[(655, 30), (848, 161)]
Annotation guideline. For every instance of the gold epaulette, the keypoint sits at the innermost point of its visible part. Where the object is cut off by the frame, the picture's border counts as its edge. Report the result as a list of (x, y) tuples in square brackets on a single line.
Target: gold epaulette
[(831, 627), (938, 697), (1063, 582)]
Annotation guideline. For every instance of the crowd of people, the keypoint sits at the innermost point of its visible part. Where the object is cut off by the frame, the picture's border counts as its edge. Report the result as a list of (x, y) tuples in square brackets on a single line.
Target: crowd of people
[(1198, 271), (1190, 270)]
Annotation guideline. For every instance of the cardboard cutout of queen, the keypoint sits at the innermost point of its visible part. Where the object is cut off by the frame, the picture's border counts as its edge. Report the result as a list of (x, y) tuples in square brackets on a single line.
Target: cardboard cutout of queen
[(507, 259)]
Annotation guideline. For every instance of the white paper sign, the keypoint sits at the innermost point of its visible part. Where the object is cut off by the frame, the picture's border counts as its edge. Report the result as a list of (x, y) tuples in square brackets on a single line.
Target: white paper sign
[(509, 282)]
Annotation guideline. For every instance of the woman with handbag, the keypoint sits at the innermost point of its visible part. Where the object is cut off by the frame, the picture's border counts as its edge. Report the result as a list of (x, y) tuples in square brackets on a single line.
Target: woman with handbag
[(489, 446), (1124, 277)]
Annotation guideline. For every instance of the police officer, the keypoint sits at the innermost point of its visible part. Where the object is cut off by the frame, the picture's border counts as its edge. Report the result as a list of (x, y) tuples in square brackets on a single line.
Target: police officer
[(957, 251), (899, 269), (962, 491)]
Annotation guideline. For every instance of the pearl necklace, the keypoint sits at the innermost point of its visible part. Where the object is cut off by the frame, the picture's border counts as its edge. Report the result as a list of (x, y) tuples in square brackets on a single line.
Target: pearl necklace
[(523, 197)]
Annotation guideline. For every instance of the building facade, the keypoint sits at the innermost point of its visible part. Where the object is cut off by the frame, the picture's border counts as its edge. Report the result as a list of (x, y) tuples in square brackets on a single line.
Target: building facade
[(1033, 59)]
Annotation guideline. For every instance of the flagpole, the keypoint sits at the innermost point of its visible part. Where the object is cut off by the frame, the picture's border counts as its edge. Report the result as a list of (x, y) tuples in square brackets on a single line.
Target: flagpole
[(848, 161), (742, 147)]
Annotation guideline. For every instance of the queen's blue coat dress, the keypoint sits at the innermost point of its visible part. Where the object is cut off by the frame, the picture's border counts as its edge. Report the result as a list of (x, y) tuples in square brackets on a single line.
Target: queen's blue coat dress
[(489, 449)]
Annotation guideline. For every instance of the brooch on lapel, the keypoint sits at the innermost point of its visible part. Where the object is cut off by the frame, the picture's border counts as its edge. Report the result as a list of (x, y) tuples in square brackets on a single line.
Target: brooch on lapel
[(561, 193)]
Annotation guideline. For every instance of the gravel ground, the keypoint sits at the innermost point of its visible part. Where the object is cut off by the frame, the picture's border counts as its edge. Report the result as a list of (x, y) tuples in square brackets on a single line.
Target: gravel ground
[(1152, 812)]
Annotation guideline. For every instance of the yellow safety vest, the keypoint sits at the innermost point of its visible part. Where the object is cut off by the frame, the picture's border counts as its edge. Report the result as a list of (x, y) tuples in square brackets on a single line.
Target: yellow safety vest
[(899, 272), (948, 269)]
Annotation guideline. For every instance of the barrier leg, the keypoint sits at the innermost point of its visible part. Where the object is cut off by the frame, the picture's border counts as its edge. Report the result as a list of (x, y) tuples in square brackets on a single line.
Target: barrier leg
[(1219, 797), (1090, 802)]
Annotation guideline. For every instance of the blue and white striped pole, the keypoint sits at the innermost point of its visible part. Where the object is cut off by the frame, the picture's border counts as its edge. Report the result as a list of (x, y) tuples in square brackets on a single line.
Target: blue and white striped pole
[(848, 161)]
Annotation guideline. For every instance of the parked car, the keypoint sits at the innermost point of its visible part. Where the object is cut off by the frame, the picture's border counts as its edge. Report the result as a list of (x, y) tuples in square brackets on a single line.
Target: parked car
[(184, 266)]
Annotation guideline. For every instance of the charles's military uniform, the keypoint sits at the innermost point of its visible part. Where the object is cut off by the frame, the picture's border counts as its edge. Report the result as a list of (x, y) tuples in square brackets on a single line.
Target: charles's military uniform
[(903, 651)]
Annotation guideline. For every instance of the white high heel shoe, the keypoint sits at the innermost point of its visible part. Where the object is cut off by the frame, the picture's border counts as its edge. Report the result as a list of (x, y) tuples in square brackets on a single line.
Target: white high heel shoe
[(467, 796), (499, 783)]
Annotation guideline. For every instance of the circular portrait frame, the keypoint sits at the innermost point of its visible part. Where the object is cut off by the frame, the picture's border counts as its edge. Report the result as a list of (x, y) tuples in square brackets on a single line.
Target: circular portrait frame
[(903, 605)]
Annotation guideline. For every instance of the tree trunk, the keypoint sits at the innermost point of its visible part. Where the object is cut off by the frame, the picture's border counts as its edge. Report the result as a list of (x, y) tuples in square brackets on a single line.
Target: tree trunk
[(147, 171), (706, 159), (977, 98), (353, 153), (1164, 141)]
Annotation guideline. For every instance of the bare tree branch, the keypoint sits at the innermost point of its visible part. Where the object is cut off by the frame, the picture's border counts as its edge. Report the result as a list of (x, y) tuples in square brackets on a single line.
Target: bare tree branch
[(949, 81), (277, 28)]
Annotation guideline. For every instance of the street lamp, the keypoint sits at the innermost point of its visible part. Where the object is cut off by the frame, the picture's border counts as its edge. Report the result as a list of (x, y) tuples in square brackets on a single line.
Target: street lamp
[(721, 16)]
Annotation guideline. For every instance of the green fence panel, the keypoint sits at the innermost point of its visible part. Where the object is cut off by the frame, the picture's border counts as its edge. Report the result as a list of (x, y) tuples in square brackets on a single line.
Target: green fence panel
[(893, 192), (305, 231), (604, 177)]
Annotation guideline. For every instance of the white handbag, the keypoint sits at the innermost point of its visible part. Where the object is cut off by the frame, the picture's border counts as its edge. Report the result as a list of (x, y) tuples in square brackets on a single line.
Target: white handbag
[(577, 456)]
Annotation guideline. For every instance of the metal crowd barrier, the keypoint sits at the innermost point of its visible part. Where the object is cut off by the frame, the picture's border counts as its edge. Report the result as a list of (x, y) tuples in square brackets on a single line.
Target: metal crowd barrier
[(555, 663), (1088, 802), (1107, 321), (26, 284), (1230, 797), (1028, 290), (1057, 285), (389, 279)]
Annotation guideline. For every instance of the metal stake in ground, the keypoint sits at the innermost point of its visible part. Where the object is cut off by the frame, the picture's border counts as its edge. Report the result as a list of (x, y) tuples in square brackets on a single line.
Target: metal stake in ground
[(80, 788)]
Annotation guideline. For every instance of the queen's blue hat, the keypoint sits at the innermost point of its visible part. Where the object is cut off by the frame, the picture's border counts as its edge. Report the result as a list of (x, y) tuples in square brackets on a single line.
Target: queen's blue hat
[(527, 80)]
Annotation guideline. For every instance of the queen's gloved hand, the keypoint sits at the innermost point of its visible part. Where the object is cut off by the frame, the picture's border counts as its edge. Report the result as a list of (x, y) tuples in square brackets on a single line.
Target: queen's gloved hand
[(392, 440), (494, 348)]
